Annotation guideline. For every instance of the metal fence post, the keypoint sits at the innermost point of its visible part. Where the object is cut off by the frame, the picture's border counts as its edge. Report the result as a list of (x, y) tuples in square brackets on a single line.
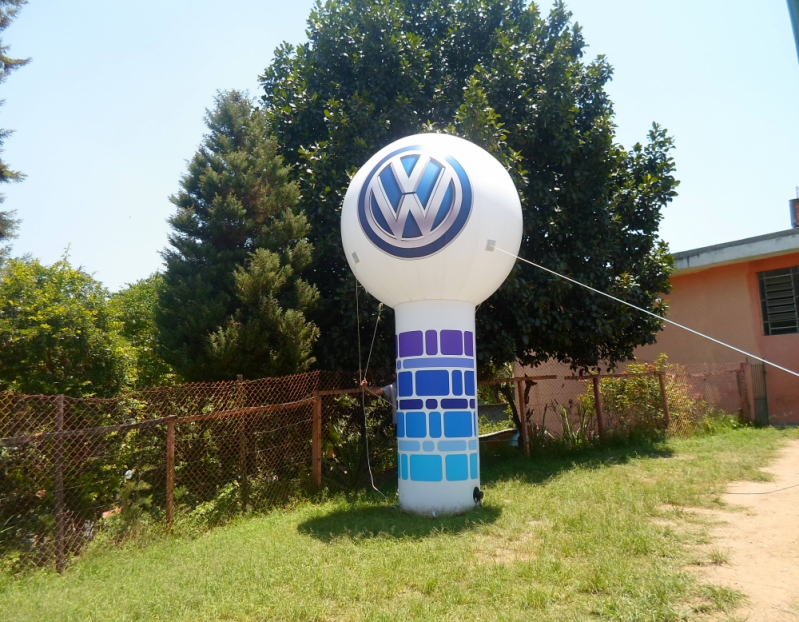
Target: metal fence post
[(170, 472), (522, 410), (316, 441), (245, 487), (664, 396), (600, 424), (59, 484)]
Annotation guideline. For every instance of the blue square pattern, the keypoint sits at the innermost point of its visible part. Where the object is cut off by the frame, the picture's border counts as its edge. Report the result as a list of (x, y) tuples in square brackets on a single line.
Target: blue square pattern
[(432, 382), (469, 381), (457, 382), (400, 425), (435, 425), (457, 424), (415, 425), (426, 468), (473, 472), (404, 466), (405, 382), (457, 467)]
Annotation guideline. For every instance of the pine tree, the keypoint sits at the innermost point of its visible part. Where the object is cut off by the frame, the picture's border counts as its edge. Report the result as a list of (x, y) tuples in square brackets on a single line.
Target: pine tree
[(8, 224), (232, 300)]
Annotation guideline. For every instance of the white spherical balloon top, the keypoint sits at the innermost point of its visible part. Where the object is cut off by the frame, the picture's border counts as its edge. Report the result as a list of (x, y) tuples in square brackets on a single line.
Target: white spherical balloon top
[(421, 216)]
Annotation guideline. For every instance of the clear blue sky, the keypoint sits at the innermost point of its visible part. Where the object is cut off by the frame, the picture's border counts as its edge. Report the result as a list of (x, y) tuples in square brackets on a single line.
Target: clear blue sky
[(111, 108)]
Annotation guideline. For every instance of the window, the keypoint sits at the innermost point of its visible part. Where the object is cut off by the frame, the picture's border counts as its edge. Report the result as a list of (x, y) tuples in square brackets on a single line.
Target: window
[(779, 300)]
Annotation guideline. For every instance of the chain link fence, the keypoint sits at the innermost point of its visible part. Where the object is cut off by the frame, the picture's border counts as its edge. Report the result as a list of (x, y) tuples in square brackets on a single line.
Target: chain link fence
[(70, 465), (635, 399), (74, 467)]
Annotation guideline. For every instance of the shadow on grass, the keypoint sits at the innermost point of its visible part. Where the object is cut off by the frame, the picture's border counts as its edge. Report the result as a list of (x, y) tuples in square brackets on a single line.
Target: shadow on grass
[(503, 463), (391, 522), (499, 463)]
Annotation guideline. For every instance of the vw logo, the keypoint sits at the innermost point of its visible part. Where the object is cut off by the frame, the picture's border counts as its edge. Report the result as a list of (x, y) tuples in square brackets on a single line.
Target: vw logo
[(414, 202)]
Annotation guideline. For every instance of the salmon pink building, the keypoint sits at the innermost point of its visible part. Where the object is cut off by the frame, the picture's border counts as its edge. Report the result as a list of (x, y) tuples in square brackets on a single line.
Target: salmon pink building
[(745, 293)]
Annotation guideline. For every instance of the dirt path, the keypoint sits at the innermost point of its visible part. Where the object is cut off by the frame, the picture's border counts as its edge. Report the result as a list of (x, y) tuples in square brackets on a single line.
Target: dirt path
[(762, 543)]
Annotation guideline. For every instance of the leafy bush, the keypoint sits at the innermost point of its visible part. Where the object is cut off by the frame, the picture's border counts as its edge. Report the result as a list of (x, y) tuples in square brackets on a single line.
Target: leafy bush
[(344, 448), (633, 405)]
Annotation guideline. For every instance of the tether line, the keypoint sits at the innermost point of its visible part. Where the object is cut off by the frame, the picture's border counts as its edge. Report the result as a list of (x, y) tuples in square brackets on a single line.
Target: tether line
[(360, 379), (654, 315)]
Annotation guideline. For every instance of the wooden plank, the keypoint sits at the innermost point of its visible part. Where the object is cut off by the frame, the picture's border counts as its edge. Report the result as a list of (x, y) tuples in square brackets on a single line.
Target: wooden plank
[(603, 376), (600, 424), (522, 411), (59, 485), (250, 409), (244, 482), (517, 379), (316, 442), (13, 441), (359, 390), (665, 398), (170, 471)]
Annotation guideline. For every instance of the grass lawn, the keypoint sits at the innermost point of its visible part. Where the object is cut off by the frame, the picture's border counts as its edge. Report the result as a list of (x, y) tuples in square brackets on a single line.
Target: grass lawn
[(593, 535)]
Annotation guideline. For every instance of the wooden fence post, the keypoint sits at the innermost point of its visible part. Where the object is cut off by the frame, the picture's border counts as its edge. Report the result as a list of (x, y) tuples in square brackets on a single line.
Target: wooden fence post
[(664, 396), (59, 485), (743, 394), (600, 424), (522, 410), (316, 441), (244, 482), (170, 472)]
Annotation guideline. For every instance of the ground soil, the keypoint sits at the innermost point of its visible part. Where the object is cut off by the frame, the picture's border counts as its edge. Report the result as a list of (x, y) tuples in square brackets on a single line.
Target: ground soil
[(761, 543)]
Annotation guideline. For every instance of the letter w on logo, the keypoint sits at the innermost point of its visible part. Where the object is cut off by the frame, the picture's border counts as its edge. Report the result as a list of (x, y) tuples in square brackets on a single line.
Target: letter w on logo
[(416, 194)]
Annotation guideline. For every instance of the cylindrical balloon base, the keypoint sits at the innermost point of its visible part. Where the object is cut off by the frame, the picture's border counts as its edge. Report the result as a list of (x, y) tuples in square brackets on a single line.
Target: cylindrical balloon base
[(437, 437)]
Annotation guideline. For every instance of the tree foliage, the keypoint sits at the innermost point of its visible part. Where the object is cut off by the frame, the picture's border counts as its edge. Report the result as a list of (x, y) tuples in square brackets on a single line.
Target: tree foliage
[(134, 308), (57, 333), (499, 73), (233, 301), (8, 224)]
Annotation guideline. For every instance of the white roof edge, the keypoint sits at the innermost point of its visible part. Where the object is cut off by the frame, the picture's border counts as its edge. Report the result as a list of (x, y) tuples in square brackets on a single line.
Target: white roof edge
[(749, 249)]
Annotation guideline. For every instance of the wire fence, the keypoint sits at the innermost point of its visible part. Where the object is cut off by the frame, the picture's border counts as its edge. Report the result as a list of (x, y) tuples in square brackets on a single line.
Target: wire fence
[(636, 399), (73, 467)]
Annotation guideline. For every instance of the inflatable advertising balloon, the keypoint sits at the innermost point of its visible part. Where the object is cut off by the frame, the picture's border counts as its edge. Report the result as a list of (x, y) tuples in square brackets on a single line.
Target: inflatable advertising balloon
[(419, 223)]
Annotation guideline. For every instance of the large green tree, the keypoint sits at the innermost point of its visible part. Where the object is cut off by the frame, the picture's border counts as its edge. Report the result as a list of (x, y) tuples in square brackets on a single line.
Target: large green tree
[(134, 307), (8, 224), (233, 301), (516, 82), (58, 334)]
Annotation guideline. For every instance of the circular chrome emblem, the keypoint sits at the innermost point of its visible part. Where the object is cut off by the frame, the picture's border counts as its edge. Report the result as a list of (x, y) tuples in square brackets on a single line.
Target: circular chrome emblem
[(414, 202)]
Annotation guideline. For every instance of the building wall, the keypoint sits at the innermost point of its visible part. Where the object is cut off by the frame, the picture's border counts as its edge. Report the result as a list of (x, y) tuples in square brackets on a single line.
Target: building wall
[(724, 302)]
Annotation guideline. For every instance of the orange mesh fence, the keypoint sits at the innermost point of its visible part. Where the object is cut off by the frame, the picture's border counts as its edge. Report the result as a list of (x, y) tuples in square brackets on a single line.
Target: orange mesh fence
[(346, 415), (72, 464), (70, 467), (673, 399)]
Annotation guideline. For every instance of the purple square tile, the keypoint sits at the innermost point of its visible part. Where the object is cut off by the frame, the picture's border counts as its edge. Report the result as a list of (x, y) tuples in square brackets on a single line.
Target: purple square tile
[(431, 342), (410, 343), (468, 343), (451, 342)]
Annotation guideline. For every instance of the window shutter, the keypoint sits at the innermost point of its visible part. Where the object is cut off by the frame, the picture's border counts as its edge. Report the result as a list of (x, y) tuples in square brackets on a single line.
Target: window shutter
[(779, 300)]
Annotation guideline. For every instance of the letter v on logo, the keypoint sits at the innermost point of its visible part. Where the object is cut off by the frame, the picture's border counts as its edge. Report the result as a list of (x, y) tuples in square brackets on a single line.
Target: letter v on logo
[(414, 202)]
